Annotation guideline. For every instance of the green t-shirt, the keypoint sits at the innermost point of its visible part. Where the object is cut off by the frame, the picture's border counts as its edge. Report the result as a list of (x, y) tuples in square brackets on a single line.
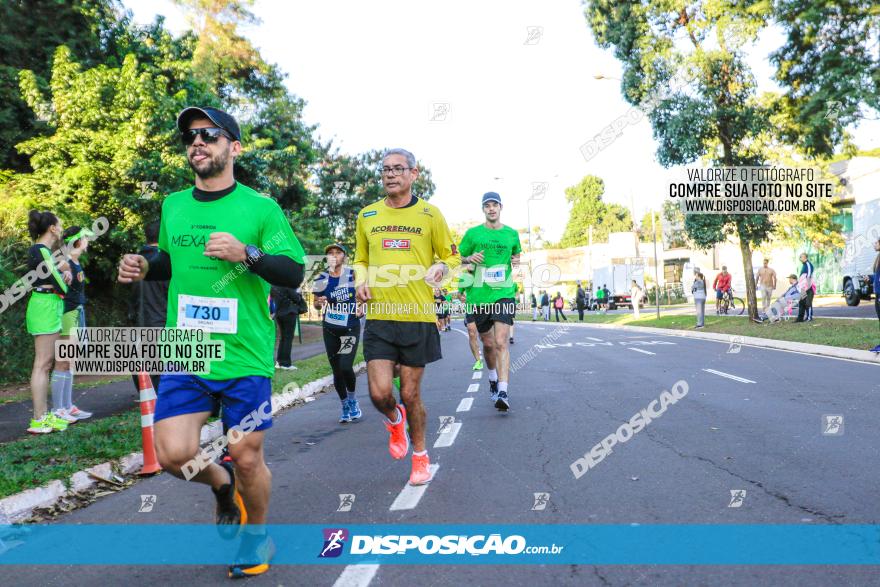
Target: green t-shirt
[(219, 296), (492, 279)]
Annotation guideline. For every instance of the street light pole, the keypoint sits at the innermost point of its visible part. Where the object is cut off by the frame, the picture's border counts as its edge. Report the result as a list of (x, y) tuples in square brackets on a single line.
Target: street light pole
[(529, 228), (656, 269)]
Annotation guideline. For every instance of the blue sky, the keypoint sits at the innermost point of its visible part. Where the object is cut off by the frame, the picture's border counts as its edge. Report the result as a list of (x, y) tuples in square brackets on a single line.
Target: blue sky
[(521, 100)]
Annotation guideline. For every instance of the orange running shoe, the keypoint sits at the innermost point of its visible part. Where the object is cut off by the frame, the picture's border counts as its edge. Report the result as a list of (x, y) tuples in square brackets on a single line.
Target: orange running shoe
[(420, 473), (398, 442)]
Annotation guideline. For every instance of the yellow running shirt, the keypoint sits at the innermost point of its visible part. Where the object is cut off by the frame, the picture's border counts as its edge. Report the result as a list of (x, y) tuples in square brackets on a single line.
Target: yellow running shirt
[(394, 249)]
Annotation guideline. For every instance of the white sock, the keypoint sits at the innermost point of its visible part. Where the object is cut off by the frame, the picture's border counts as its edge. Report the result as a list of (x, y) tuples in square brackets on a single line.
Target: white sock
[(420, 453), (493, 375), (58, 383), (502, 386)]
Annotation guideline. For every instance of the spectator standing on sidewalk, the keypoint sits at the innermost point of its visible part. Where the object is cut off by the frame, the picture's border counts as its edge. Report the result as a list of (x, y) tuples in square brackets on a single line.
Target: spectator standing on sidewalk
[(545, 305), (148, 304), (766, 278), (635, 298), (699, 291), (876, 349), (559, 305), (580, 300), (806, 285), (534, 307), (286, 309)]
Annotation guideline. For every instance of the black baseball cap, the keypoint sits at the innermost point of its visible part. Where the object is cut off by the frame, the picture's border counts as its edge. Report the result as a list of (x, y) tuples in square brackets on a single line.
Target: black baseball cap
[(218, 117), (491, 197), (336, 246)]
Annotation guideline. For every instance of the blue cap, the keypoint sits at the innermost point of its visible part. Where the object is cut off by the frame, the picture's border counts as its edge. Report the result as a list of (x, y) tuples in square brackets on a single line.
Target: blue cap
[(491, 197)]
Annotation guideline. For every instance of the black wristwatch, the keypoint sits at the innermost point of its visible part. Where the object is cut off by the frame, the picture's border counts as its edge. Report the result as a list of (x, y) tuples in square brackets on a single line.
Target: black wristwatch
[(253, 256)]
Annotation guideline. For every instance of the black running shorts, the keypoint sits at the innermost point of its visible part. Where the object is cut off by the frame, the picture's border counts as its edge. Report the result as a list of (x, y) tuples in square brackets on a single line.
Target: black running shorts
[(485, 315), (414, 344)]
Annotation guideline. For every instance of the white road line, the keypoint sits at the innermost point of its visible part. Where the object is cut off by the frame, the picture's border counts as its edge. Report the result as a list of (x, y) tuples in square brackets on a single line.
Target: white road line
[(448, 438), (594, 338), (465, 404), (410, 495), (477, 375), (640, 350), (473, 387), (728, 375), (460, 332), (356, 576)]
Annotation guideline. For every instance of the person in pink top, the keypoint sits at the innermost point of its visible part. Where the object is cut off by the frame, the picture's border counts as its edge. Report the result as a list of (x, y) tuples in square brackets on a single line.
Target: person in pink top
[(721, 285)]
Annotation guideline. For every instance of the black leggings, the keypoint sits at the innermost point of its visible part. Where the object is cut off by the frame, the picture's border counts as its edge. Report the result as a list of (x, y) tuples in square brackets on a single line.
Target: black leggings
[(341, 362), (877, 304)]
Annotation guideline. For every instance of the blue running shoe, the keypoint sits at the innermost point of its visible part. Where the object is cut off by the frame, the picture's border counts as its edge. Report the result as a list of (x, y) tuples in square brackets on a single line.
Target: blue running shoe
[(345, 418), (354, 409), (493, 389), (502, 402)]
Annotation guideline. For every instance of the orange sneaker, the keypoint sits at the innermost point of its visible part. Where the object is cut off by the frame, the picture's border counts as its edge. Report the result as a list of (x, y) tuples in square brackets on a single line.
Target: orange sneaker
[(398, 442), (420, 473)]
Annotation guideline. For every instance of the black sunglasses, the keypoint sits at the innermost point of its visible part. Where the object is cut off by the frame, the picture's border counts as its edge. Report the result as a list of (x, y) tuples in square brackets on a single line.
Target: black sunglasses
[(209, 135)]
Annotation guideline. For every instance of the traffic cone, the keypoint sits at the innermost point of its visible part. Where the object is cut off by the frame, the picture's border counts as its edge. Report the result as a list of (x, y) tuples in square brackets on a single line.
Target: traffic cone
[(148, 407)]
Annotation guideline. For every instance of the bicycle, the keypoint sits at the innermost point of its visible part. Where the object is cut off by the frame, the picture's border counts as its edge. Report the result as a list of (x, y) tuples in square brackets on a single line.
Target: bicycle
[(729, 302)]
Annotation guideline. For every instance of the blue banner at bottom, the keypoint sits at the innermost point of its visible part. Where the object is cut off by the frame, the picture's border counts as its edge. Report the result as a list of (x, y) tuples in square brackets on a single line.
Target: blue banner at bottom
[(429, 544)]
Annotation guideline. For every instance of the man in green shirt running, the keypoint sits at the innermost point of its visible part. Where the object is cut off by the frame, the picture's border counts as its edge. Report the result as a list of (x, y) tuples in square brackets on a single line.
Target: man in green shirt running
[(221, 244), (491, 251)]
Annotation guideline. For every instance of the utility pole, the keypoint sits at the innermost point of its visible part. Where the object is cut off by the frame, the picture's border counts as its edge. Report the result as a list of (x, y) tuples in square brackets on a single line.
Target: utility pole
[(656, 268)]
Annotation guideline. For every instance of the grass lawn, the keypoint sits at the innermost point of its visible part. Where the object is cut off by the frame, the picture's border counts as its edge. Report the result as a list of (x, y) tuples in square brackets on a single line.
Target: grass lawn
[(36, 460), (852, 334)]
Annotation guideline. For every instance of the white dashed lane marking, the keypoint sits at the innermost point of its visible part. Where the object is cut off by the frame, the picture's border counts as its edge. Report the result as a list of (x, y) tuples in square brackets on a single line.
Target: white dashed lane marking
[(465, 404), (356, 576), (477, 375), (410, 495), (473, 387), (641, 351), (448, 438), (728, 375)]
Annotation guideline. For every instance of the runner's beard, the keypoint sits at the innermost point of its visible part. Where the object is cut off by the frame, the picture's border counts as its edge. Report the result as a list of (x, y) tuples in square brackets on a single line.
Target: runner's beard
[(212, 167)]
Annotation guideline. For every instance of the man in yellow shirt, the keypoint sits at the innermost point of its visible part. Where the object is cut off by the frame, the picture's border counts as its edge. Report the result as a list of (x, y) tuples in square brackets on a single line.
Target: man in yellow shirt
[(404, 249)]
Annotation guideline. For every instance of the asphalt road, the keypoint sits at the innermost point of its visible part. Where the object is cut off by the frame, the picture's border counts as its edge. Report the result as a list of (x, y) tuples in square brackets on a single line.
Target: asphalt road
[(761, 432)]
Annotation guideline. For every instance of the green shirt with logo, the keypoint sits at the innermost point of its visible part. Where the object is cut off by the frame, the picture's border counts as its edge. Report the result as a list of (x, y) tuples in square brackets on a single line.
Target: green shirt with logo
[(492, 280), (222, 297)]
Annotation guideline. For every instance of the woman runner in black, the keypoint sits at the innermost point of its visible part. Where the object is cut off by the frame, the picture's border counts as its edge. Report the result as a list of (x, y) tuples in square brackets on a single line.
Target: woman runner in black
[(334, 292)]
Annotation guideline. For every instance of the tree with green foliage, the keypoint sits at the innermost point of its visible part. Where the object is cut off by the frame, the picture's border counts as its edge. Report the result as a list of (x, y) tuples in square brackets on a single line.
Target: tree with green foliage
[(830, 68), (588, 209), (645, 234), (713, 115), (30, 30)]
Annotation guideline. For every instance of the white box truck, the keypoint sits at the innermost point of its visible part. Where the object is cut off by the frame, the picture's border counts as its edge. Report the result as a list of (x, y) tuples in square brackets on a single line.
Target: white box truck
[(618, 277), (859, 253)]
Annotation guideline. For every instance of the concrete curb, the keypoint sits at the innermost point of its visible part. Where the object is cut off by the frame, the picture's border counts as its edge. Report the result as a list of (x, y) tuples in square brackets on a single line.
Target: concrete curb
[(20, 507), (782, 345)]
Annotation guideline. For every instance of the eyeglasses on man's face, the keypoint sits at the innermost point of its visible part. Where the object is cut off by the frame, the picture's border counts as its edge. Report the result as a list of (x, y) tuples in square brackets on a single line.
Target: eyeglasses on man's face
[(394, 171)]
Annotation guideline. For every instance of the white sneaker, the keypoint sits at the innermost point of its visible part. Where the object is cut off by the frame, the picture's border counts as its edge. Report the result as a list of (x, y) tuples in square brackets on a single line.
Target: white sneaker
[(289, 368), (78, 413), (64, 415)]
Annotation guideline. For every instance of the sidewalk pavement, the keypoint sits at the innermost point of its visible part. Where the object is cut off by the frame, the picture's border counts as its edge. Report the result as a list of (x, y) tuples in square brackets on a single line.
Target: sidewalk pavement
[(102, 400)]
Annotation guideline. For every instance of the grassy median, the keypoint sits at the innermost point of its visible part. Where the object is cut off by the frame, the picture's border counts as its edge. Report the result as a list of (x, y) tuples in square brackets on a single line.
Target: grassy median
[(851, 334), (34, 461)]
